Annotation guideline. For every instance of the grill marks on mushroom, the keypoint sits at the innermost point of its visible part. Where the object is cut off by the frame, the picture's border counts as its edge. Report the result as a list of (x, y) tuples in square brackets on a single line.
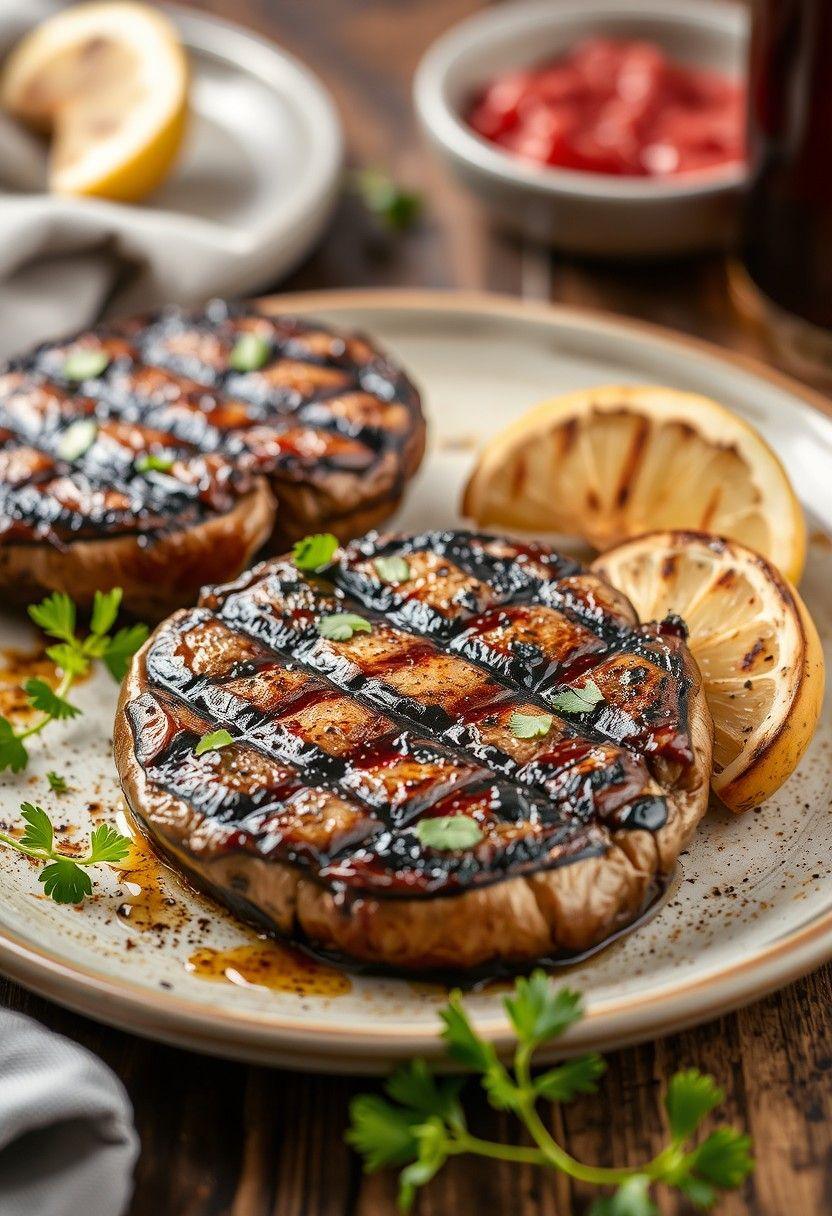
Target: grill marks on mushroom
[(160, 424), (342, 747)]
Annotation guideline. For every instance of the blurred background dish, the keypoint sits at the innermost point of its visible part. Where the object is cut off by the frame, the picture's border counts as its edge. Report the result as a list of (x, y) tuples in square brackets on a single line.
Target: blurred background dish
[(248, 198), (583, 212)]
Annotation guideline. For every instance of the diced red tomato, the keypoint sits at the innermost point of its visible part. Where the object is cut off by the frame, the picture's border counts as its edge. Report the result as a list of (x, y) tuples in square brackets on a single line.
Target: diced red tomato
[(616, 107)]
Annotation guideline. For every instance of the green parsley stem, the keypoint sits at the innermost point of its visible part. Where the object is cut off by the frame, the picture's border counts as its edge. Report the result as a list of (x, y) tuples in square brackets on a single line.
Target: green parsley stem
[(22, 848), (552, 1151), (466, 1143)]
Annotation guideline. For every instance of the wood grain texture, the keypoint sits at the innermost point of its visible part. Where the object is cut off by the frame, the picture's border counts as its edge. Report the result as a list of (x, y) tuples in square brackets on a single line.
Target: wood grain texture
[(221, 1138)]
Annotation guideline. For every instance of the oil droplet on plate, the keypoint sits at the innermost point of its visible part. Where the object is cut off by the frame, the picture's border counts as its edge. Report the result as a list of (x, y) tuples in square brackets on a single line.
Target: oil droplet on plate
[(266, 964), (148, 906)]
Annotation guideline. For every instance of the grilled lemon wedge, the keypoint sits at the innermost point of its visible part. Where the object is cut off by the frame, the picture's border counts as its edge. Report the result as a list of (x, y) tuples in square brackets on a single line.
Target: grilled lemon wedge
[(109, 83), (609, 463), (755, 643)]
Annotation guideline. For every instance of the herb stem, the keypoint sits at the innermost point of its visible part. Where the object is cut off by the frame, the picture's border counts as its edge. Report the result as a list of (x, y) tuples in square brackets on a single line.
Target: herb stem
[(551, 1150), (466, 1143)]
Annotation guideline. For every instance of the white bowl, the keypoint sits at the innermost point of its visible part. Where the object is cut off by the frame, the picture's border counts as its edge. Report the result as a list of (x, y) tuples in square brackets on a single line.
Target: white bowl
[(586, 213)]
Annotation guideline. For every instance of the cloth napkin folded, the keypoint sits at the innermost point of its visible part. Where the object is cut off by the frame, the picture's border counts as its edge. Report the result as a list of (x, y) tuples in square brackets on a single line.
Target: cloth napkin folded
[(67, 1142), (64, 261)]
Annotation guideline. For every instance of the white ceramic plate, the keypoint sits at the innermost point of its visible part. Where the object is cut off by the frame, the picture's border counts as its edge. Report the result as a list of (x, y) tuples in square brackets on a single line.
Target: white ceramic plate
[(751, 907)]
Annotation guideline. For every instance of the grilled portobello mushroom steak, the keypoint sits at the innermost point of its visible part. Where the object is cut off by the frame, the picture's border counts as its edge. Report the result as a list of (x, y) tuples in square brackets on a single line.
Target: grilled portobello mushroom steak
[(562, 749), (148, 454)]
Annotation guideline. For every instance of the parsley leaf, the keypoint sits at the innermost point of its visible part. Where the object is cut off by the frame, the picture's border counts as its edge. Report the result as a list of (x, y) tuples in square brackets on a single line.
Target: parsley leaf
[(449, 832), (250, 353), (381, 1132), (579, 700), (213, 741), (578, 1076), (313, 553), (464, 1044), (107, 844), (392, 569), (65, 881), (85, 363), (432, 1152), (396, 207), (38, 834), (724, 1158), (538, 1011), (153, 462), (691, 1095), (55, 615), (120, 649), (43, 698), (105, 610), (530, 726), (631, 1199), (57, 784), (340, 626), (70, 658), (77, 439), (414, 1086), (13, 754)]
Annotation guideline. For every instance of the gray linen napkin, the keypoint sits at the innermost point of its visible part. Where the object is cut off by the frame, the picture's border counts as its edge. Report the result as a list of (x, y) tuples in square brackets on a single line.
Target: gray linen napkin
[(67, 1142)]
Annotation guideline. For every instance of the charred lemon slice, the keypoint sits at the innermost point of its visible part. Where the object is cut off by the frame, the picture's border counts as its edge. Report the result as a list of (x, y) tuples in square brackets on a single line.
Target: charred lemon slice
[(608, 463), (755, 643), (109, 83)]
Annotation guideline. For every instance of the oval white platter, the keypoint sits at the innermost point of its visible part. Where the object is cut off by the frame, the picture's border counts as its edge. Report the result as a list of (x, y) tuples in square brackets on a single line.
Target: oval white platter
[(751, 905)]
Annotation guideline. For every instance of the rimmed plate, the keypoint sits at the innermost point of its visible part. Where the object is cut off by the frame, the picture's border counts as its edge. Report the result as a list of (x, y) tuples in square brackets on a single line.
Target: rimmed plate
[(751, 906)]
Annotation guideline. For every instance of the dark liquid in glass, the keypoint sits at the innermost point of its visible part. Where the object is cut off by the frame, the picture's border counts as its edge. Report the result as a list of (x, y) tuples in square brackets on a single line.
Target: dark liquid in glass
[(787, 234)]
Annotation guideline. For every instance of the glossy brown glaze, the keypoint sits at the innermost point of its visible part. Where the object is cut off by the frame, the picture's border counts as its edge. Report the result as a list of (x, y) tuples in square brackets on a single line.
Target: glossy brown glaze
[(309, 820)]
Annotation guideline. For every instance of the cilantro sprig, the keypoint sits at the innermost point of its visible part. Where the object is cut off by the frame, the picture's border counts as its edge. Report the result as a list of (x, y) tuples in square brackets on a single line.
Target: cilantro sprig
[(421, 1122), (65, 878), (56, 616)]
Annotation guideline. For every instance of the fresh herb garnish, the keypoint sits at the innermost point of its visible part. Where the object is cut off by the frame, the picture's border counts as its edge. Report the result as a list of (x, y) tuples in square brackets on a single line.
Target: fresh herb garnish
[(250, 353), (77, 439), (530, 726), (392, 569), (213, 741), (397, 208), (449, 832), (64, 879), (57, 783), (152, 462), (340, 626), (578, 700), (421, 1123), (85, 363), (315, 552), (56, 616)]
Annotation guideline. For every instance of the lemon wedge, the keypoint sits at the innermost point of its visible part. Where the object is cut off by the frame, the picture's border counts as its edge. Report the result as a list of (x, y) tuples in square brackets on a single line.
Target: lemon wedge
[(109, 83), (609, 463), (754, 640)]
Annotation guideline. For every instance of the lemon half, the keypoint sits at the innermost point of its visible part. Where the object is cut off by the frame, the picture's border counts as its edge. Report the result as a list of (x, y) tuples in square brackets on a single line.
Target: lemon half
[(754, 640), (109, 83), (608, 463)]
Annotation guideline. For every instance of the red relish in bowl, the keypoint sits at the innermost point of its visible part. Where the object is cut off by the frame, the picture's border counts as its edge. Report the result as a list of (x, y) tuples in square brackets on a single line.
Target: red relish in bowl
[(615, 107)]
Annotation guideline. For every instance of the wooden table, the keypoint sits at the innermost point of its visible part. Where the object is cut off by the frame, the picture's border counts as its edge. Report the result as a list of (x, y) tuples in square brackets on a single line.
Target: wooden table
[(219, 1137)]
